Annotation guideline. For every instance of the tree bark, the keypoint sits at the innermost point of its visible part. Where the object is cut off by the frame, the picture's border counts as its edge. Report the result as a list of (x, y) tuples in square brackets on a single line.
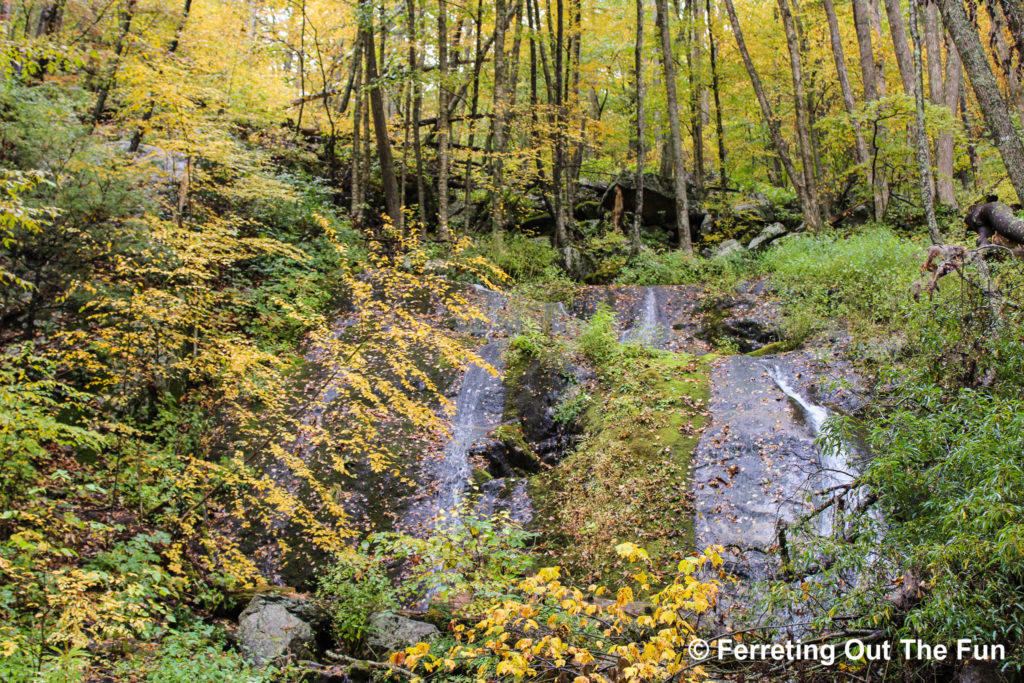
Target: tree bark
[(558, 161), (719, 128), (991, 218), (899, 44), (355, 193), (812, 213), (443, 231), (924, 162), (392, 200), (871, 80), (697, 93), (675, 135), (838, 54), (498, 122), (641, 149), (993, 106), (774, 130), (944, 91)]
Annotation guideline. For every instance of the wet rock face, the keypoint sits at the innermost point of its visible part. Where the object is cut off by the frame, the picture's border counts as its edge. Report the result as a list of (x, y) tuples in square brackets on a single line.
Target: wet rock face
[(751, 466), (743, 318), (275, 626), (392, 632), (531, 434)]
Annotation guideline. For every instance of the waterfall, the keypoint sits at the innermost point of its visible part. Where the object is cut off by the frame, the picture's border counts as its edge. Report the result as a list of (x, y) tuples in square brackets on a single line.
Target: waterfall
[(645, 330), (478, 407), (834, 462)]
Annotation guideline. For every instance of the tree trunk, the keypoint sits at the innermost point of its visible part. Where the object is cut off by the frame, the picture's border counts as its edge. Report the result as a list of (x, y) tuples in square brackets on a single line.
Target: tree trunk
[(474, 107), (719, 128), (355, 194), (101, 97), (676, 139), (498, 122), (558, 162), (838, 54), (944, 91), (812, 214), (871, 79), (443, 125), (417, 103), (899, 44), (924, 162), (994, 218), (392, 200), (641, 149), (697, 93), (778, 142), (993, 107)]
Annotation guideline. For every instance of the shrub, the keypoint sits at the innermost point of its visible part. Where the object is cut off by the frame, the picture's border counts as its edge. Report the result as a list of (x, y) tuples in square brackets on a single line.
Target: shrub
[(863, 277), (524, 258), (678, 268), (598, 341), (351, 590)]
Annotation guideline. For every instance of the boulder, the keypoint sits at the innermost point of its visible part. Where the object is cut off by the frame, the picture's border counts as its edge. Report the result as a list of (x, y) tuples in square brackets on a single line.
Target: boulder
[(767, 236), (727, 248), (392, 632), (707, 225), (274, 626)]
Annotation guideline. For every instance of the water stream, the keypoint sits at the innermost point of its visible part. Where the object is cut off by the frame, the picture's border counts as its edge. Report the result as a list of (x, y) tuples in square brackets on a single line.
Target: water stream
[(834, 461)]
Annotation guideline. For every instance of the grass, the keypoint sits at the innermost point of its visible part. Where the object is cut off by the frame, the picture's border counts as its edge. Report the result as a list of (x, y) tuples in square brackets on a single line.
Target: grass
[(629, 478)]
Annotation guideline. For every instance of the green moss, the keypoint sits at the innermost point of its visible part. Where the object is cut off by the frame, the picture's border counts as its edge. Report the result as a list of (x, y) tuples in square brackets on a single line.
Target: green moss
[(629, 480), (775, 347), (481, 477)]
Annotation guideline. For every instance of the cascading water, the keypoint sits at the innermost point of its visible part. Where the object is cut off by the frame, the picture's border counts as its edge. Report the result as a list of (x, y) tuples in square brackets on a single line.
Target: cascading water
[(646, 329), (478, 407), (835, 468)]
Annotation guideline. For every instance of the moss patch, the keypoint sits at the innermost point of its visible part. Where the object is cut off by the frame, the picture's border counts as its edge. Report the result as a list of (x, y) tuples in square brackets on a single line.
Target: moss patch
[(629, 479)]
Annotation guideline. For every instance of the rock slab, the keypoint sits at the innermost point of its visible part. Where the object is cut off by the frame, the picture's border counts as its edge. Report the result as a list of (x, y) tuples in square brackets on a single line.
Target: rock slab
[(392, 632), (275, 626)]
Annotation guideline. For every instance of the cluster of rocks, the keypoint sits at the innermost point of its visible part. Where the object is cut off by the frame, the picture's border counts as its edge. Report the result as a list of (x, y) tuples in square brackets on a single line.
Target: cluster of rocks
[(274, 628), (764, 238)]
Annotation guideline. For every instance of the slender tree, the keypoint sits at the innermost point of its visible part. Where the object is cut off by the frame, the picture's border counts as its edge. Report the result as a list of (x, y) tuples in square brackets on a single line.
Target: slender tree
[(719, 128), (924, 161), (774, 129), (803, 130), (676, 139), (993, 106), (443, 125), (860, 146), (641, 149)]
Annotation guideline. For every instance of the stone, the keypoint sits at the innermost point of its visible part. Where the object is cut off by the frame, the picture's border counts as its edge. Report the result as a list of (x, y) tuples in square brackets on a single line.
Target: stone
[(767, 236), (274, 626), (392, 632), (707, 224), (727, 248)]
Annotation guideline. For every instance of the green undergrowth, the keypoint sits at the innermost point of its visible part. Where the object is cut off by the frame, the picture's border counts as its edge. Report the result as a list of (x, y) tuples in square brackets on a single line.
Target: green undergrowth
[(628, 480)]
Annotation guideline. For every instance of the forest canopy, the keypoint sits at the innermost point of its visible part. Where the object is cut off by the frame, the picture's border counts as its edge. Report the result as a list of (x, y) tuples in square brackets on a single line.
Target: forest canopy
[(263, 265)]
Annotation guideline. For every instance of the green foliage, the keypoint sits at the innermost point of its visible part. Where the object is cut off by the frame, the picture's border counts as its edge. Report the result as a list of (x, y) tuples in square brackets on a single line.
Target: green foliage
[(678, 268), (466, 554), (351, 589), (605, 255), (524, 258), (599, 341), (572, 406), (197, 655), (863, 278)]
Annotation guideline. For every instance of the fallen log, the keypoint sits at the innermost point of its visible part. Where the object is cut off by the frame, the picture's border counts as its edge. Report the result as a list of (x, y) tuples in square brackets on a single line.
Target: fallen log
[(993, 217)]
